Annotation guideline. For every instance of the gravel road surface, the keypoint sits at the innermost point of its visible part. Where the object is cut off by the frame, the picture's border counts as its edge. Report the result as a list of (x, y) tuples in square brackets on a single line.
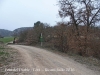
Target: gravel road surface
[(43, 62)]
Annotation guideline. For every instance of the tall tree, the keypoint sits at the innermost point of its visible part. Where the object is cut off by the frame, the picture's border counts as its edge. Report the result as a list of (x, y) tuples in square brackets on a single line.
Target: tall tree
[(81, 12)]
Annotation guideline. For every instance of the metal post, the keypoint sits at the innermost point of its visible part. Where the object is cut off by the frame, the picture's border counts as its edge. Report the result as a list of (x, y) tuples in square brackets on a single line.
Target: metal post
[(41, 38)]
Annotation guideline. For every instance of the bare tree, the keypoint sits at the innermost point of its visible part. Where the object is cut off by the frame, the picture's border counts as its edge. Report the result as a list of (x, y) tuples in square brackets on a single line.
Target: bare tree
[(83, 14)]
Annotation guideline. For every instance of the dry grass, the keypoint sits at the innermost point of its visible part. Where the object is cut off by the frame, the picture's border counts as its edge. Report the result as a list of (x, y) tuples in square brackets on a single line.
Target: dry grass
[(9, 58)]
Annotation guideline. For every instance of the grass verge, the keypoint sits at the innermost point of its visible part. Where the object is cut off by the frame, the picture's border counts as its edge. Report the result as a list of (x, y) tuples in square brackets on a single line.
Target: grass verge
[(7, 39)]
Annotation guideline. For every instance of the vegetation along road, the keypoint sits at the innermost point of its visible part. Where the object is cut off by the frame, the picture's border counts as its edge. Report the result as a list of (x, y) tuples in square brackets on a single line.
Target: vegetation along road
[(42, 62)]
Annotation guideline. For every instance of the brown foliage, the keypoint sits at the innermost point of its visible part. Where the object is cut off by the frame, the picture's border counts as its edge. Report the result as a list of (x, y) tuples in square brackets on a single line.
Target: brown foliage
[(79, 35)]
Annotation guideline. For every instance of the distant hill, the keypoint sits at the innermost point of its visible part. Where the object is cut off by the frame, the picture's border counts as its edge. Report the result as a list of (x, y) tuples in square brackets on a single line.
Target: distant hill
[(5, 33), (18, 30), (22, 29)]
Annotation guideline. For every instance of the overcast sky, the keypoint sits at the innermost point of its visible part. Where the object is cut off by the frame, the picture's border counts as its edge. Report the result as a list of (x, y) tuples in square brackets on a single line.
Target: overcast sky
[(24, 13)]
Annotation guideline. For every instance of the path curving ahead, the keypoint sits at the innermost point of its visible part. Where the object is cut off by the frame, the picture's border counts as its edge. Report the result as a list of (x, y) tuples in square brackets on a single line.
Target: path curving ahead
[(43, 62)]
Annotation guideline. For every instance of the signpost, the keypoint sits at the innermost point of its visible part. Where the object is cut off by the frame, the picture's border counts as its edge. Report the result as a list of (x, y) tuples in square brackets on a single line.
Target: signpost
[(41, 39)]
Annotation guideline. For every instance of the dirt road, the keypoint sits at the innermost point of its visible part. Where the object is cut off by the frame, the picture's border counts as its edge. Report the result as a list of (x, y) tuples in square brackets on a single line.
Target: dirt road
[(42, 62)]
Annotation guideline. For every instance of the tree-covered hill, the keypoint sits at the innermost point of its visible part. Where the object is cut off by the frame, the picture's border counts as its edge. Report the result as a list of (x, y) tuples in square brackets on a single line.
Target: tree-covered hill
[(5, 33)]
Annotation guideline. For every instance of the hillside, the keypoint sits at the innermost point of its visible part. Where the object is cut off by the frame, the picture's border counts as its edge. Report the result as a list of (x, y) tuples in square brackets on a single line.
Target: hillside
[(18, 30), (5, 33)]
